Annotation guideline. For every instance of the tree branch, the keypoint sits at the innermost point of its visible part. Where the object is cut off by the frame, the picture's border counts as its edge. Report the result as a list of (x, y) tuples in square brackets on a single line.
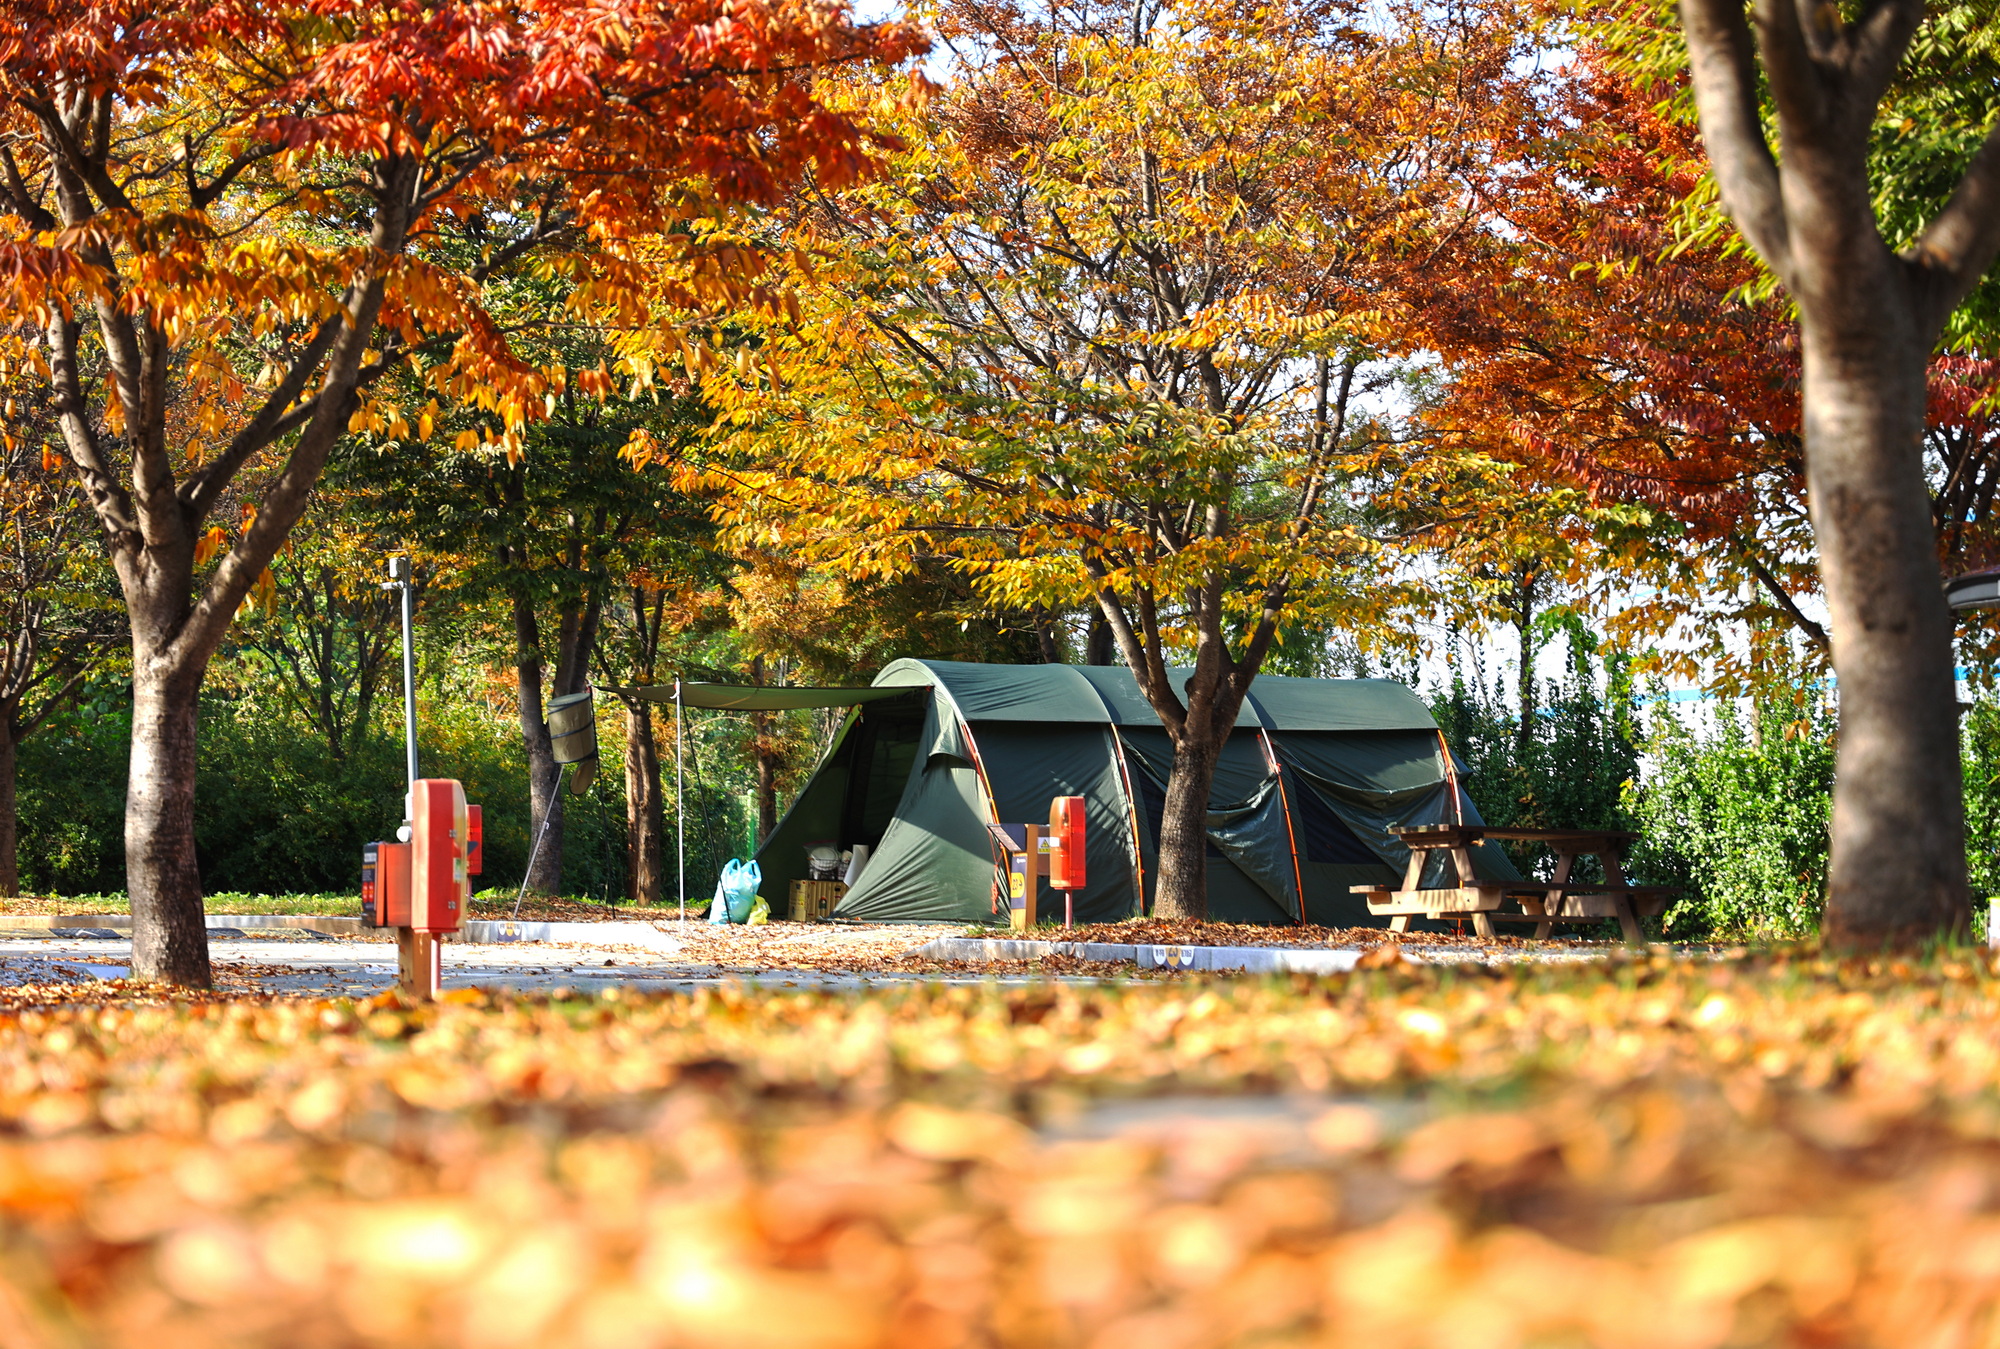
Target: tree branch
[(202, 488), (1811, 631), (1955, 251), (1723, 62)]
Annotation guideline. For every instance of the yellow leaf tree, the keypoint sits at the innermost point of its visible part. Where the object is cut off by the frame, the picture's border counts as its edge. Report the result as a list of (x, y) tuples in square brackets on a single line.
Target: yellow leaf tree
[(1105, 333)]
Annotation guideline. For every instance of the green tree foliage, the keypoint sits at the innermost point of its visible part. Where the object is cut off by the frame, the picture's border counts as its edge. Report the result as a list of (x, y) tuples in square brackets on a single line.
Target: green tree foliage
[(1570, 767), (1739, 814)]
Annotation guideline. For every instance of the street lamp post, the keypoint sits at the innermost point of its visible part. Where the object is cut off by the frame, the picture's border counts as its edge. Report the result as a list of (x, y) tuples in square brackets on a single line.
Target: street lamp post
[(399, 580)]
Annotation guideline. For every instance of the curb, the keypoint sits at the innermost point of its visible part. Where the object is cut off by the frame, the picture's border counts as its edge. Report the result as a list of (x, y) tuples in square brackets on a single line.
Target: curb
[(498, 932), (1247, 959), (121, 923)]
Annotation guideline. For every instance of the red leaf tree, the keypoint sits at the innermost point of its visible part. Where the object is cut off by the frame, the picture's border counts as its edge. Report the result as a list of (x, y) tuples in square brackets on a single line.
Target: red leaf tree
[(1602, 341), (227, 220)]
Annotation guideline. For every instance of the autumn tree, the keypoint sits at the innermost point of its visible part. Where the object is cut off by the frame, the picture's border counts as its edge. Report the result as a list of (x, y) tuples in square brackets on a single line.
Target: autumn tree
[(1095, 337), (226, 222), (1869, 316), (1612, 409), (60, 622), (1613, 337), (552, 536)]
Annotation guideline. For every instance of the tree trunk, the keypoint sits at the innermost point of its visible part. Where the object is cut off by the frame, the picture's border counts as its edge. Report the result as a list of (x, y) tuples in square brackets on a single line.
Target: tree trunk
[(765, 759), (10, 832), (1182, 888), (1045, 636), (1524, 615), (545, 805), (1102, 645), (1199, 718), (767, 776), (1868, 319), (645, 826), (1897, 871), (169, 934)]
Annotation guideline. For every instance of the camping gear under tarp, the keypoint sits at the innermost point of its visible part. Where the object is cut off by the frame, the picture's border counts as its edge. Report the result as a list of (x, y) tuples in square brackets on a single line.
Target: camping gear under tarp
[(1305, 792)]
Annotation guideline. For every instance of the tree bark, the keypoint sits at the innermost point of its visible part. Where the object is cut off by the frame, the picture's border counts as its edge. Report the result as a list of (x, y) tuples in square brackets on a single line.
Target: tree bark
[(1101, 647), (767, 776), (1046, 642), (1182, 888), (645, 825), (162, 877), (545, 804), (1868, 318), (1897, 870), (764, 756)]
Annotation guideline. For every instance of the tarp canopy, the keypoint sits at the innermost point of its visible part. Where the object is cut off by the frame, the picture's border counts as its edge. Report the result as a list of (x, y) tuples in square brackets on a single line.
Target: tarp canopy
[(1108, 695), (756, 698), (1304, 797)]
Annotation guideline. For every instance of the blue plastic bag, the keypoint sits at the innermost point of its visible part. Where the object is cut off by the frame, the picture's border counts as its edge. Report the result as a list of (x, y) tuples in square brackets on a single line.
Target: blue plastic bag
[(736, 892)]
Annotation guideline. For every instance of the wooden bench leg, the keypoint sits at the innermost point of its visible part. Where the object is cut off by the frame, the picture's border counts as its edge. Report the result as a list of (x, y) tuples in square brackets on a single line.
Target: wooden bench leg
[(1412, 877), (1461, 861), (1552, 903), (1538, 907), (1621, 900)]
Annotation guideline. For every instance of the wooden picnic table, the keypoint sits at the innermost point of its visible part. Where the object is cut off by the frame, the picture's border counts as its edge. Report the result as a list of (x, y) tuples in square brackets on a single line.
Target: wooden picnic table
[(1542, 903)]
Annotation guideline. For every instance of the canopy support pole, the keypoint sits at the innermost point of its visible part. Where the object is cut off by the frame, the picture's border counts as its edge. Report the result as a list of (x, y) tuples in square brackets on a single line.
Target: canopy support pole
[(555, 800), (680, 815)]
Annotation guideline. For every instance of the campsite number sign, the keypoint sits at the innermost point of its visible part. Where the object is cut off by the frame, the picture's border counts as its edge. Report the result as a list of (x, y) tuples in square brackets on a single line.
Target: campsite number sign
[(1030, 851)]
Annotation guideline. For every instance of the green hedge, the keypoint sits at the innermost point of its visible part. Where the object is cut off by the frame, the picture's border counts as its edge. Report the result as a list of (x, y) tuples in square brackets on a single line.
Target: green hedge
[(275, 813)]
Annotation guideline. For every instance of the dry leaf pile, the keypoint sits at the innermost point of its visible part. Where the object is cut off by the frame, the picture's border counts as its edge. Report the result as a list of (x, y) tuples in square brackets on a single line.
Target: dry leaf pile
[(1764, 1151)]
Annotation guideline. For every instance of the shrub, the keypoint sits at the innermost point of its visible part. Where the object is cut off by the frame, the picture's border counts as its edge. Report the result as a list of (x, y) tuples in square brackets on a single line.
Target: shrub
[(1739, 816)]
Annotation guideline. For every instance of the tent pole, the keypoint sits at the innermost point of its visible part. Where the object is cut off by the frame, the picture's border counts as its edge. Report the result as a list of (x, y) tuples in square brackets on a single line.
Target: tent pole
[(1285, 808), (680, 816)]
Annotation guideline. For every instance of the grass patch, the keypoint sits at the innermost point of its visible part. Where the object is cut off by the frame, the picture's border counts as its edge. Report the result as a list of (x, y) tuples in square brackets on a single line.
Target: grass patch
[(1767, 1149), (488, 904)]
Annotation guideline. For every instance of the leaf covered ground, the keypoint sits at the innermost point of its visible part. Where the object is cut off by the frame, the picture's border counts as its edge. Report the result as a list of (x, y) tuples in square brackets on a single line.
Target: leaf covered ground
[(1151, 931), (1767, 1150)]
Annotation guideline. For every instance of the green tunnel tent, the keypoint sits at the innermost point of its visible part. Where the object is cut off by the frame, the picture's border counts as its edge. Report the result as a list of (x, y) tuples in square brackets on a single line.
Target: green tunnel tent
[(1305, 793)]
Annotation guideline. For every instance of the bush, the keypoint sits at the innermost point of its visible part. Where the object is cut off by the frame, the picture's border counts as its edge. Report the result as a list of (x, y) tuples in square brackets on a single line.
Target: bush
[(1572, 768), (275, 813), (71, 798), (1981, 764), (1740, 817)]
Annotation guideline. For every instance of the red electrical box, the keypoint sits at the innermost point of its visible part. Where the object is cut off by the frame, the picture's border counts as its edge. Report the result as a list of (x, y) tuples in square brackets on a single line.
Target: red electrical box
[(385, 885), (1066, 860), (440, 838), (475, 843)]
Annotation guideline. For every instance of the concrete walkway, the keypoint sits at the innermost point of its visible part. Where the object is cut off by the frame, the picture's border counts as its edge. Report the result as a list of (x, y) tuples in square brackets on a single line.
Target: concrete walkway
[(275, 955), (332, 967)]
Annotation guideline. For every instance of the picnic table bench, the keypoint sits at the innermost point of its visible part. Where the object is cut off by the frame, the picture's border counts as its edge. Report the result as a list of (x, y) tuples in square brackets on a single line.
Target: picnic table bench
[(1542, 903)]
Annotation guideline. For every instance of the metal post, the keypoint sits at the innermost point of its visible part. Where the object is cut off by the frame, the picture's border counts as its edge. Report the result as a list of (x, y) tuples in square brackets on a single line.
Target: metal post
[(399, 579), (680, 827)]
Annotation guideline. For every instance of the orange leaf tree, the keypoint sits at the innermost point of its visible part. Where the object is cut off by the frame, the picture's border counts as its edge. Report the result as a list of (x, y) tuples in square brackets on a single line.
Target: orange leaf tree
[(226, 220), (1612, 342), (1101, 334)]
